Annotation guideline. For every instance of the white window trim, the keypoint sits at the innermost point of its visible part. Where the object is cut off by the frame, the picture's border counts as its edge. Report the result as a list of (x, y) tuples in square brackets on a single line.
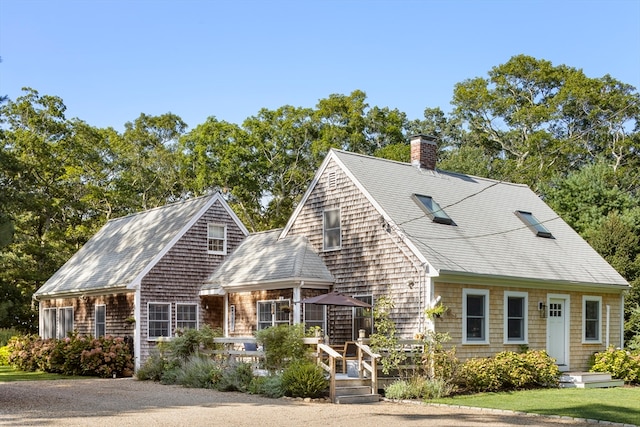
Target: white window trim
[(274, 303), (95, 319), (485, 293), (525, 315), (178, 304), (224, 242), (149, 337), (44, 322), (586, 298), (61, 326), (324, 242)]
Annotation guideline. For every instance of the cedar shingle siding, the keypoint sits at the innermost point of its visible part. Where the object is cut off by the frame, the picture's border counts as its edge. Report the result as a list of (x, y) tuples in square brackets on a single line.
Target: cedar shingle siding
[(177, 278), (371, 261)]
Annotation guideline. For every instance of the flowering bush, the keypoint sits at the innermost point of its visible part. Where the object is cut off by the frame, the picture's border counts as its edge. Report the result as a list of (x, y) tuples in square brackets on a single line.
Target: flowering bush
[(74, 355), (619, 363)]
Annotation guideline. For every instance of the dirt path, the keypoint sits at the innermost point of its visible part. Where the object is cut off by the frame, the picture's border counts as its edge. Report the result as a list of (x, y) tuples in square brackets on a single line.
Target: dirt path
[(127, 402)]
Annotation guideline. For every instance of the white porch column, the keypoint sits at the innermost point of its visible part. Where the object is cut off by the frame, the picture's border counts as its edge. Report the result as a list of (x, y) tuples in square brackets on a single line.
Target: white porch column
[(297, 308)]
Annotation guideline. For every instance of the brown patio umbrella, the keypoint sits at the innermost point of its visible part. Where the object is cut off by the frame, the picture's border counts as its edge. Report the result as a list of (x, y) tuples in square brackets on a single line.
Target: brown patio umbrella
[(335, 298)]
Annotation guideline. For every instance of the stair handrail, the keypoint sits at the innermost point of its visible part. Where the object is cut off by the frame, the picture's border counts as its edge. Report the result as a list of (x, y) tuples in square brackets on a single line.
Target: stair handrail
[(330, 368), (364, 365)]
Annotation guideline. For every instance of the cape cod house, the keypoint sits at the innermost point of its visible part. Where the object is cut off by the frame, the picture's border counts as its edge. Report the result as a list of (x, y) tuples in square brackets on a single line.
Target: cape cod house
[(508, 270), (139, 276)]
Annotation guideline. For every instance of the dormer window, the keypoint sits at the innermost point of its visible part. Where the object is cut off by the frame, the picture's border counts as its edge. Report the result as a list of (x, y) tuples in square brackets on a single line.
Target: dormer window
[(432, 209), (534, 225)]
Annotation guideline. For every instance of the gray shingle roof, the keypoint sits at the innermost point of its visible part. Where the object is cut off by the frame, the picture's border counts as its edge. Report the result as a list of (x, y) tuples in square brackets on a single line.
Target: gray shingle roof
[(263, 257), (488, 238), (124, 247)]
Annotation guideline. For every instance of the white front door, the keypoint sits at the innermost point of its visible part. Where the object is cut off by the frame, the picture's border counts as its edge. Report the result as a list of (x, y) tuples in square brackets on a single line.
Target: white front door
[(557, 331)]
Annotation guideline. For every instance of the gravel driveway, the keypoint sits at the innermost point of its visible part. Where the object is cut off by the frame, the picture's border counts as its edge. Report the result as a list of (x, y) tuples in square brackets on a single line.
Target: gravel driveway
[(128, 402)]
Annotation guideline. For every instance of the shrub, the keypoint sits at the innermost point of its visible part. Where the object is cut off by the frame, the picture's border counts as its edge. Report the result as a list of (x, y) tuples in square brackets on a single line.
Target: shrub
[(269, 386), (197, 372), (418, 388), (106, 357), (4, 355), (303, 378), (73, 355), (153, 367), (509, 371), (6, 334), (282, 344), (236, 377), (619, 363)]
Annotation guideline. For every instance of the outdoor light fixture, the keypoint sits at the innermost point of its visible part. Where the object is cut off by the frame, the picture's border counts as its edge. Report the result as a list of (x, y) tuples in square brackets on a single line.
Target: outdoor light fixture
[(542, 307)]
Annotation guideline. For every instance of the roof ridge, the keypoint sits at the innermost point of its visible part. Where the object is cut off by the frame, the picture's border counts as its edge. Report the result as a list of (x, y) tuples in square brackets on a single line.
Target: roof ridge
[(436, 170), (167, 206)]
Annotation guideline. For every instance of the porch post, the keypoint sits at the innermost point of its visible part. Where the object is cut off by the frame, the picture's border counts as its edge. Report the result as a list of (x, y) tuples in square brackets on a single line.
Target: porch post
[(297, 308)]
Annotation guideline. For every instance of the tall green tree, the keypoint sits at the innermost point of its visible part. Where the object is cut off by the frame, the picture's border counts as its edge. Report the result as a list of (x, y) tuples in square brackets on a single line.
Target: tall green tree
[(537, 120)]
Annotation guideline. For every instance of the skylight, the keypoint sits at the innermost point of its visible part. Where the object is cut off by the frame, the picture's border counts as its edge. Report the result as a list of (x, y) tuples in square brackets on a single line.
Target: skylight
[(433, 209), (534, 225)]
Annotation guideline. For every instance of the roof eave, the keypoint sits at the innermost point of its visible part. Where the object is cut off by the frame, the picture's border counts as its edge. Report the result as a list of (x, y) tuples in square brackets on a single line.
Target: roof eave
[(499, 280), (76, 293)]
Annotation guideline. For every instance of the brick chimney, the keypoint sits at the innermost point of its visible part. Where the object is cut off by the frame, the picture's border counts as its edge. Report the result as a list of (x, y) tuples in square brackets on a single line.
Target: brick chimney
[(424, 151)]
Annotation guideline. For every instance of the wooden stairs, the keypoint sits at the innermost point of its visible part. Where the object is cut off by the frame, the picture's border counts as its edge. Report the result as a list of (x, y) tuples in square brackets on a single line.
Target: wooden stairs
[(588, 380), (351, 390)]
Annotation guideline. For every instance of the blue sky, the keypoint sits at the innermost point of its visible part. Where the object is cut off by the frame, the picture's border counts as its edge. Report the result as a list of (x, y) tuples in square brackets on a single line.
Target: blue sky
[(111, 60)]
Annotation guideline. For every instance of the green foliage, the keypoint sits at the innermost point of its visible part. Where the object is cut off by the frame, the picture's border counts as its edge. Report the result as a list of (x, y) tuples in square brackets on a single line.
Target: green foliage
[(191, 341), (74, 355), (302, 378), (269, 386), (621, 364), (166, 361), (282, 344), (4, 355), (153, 368), (418, 387), (196, 372), (384, 340), (6, 334), (237, 377), (509, 371)]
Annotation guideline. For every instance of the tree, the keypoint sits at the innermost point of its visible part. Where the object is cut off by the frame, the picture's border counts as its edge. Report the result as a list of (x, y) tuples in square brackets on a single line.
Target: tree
[(217, 156), (538, 121)]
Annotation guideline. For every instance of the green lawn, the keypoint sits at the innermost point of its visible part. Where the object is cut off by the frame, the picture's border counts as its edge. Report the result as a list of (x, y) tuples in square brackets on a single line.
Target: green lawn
[(620, 405), (8, 374)]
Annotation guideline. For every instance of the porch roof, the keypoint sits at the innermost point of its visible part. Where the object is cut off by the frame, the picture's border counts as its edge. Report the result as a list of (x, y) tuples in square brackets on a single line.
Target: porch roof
[(265, 261)]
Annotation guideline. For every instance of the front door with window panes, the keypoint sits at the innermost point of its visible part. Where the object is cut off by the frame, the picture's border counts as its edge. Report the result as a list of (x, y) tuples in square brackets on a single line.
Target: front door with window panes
[(556, 331), (273, 313)]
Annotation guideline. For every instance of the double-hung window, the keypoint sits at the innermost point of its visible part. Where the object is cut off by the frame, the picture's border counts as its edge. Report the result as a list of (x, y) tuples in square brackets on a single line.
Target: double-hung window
[(217, 239), (591, 319), (515, 317), (332, 238), (314, 316), (475, 312), (101, 320), (65, 321), (186, 316), (49, 323), (273, 313), (159, 318)]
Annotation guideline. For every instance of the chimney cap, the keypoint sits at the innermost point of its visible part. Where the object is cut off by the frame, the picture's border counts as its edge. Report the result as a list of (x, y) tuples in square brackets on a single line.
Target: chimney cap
[(421, 136)]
